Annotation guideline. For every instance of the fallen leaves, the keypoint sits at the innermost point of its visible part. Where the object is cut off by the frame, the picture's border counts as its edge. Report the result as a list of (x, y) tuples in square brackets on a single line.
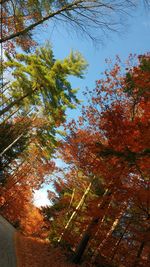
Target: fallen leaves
[(36, 252)]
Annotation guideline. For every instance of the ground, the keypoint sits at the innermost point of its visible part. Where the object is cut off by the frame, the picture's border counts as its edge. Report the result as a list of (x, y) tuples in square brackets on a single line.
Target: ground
[(17, 250), (38, 253)]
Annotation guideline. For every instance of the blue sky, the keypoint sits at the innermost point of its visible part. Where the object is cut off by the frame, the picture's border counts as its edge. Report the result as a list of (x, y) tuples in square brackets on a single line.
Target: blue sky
[(134, 39)]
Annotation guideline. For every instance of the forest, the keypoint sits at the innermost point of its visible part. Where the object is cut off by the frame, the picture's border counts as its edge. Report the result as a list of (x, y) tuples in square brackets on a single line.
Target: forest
[(99, 211)]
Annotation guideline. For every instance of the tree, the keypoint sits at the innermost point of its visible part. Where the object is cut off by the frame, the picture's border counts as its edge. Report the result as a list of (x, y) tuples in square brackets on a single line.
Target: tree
[(24, 216), (42, 80), (35, 103), (39, 87), (25, 173), (110, 141), (14, 138), (19, 18)]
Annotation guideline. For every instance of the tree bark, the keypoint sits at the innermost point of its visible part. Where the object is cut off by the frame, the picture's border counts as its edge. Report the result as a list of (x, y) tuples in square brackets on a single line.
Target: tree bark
[(90, 232), (75, 212), (113, 227), (139, 253), (17, 102), (85, 239), (32, 26), (119, 241)]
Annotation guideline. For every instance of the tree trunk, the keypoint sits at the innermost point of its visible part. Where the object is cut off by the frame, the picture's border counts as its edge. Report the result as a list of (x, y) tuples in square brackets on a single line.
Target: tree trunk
[(113, 227), (76, 210), (139, 253), (119, 241), (85, 239), (91, 230)]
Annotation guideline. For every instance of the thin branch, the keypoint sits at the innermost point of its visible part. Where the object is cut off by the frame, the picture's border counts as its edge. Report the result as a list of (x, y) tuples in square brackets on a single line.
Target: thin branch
[(32, 26)]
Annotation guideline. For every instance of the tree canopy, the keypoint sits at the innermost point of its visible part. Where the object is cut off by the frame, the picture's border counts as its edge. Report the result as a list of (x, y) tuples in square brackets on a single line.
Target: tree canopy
[(19, 18), (100, 201), (108, 150), (33, 106)]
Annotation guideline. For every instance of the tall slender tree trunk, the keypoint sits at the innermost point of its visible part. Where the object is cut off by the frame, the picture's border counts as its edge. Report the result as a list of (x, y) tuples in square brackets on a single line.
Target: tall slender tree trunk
[(119, 241), (85, 239), (75, 212), (139, 253), (91, 230), (17, 101), (114, 225), (8, 147)]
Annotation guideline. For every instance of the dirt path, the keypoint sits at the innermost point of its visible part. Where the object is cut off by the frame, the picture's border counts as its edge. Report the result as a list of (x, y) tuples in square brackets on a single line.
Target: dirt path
[(7, 246)]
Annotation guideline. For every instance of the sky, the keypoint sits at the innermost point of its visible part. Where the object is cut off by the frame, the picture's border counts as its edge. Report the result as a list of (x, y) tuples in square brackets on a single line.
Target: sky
[(134, 39)]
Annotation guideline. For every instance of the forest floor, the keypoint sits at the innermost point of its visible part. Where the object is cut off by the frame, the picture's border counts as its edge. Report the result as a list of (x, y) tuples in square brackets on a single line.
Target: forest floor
[(35, 252)]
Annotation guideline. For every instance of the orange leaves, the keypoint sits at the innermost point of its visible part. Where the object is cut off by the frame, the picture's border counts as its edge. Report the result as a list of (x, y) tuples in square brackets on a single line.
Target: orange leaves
[(32, 222), (36, 253), (27, 172), (112, 133), (111, 143), (107, 149)]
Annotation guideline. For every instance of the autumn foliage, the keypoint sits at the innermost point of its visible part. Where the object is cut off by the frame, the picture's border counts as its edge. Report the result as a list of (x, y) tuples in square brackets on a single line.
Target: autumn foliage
[(109, 148), (100, 202), (100, 199), (33, 105), (20, 19)]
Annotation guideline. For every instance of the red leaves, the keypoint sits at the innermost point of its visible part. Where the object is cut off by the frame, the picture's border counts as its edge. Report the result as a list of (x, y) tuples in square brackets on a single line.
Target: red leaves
[(111, 142)]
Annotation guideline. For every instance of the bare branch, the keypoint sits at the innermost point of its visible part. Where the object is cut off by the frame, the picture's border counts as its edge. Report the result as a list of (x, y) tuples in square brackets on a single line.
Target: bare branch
[(85, 14)]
